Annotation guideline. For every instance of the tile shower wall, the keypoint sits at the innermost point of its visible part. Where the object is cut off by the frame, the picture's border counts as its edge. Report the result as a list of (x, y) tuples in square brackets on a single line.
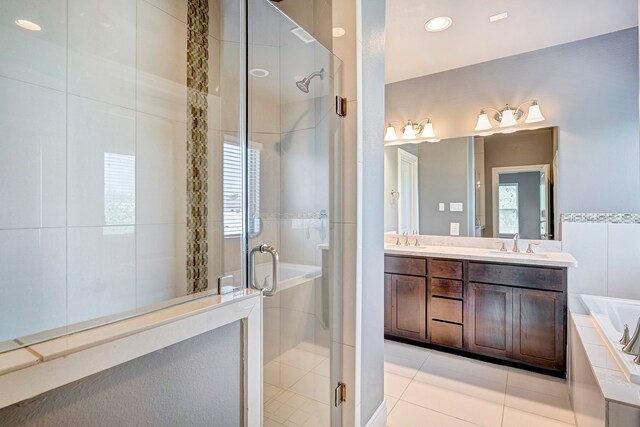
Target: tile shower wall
[(607, 248), (93, 125)]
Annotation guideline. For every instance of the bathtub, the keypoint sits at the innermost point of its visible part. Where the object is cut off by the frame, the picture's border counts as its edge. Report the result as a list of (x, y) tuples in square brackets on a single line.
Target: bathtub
[(289, 274), (610, 315)]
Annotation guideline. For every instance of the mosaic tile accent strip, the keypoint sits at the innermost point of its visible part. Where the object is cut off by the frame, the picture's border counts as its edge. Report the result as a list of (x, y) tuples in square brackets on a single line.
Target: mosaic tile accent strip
[(608, 218), (197, 173)]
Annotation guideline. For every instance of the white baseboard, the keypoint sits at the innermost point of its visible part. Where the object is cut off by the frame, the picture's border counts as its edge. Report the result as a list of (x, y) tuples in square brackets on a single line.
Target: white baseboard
[(379, 418)]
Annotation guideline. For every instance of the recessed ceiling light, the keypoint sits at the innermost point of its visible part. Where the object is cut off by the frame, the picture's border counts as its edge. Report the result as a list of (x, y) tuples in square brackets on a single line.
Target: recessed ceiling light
[(499, 17), (259, 72), (339, 31), (439, 23), (28, 25)]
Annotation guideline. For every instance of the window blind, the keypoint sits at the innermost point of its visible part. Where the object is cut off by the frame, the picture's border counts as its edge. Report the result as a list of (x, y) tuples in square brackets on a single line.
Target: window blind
[(232, 190)]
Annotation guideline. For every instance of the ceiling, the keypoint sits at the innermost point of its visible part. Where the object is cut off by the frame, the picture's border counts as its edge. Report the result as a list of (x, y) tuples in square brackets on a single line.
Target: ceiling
[(413, 52)]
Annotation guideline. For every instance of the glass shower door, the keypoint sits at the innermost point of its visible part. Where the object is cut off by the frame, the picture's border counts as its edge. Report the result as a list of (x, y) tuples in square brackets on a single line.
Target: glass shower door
[(293, 163)]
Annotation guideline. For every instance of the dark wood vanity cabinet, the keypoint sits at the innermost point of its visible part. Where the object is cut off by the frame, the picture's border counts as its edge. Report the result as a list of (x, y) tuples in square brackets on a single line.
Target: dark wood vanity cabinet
[(511, 312), (408, 306)]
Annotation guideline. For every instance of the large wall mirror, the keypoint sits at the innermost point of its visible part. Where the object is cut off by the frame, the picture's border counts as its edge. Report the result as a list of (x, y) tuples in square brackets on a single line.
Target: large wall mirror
[(492, 186)]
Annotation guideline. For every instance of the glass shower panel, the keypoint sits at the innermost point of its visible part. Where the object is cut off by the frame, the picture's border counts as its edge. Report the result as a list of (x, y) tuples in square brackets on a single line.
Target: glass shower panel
[(115, 198), (294, 134)]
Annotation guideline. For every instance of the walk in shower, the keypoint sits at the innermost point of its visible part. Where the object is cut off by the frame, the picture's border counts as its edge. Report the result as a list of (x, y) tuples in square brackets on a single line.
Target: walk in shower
[(146, 147)]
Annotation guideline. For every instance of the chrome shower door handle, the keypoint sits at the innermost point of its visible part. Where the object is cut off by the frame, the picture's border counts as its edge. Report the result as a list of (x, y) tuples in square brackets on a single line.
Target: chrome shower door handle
[(263, 249)]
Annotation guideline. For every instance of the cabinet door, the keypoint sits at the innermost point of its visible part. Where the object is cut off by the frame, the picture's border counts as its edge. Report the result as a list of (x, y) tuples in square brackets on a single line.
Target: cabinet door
[(538, 327), (488, 319), (409, 306), (387, 303)]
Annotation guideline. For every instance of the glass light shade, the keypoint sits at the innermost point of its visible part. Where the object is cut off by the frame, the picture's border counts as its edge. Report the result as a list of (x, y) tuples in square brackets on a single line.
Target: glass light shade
[(427, 131), (534, 114), (391, 134), (483, 122), (409, 133), (508, 118)]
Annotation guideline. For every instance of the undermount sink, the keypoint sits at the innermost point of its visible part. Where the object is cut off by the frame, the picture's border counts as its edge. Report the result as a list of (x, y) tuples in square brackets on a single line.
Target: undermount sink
[(517, 254)]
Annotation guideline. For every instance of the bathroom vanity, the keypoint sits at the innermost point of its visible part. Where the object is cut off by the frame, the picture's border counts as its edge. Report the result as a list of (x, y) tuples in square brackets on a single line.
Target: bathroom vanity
[(510, 307)]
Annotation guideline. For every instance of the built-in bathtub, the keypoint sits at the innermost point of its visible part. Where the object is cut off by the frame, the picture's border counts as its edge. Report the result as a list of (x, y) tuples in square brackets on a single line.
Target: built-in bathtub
[(289, 274), (610, 315)]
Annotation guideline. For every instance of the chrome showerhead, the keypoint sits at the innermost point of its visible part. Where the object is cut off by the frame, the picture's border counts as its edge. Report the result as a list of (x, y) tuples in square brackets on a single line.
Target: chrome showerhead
[(303, 84)]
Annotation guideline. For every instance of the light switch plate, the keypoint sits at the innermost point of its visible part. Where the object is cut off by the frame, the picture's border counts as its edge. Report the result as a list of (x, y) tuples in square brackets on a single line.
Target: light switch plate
[(455, 228), (455, 207), (441, 207)]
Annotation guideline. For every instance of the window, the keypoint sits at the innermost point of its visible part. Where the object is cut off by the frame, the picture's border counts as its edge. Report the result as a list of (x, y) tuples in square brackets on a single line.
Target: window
[(119, 189), (232, 190), (509, 216)]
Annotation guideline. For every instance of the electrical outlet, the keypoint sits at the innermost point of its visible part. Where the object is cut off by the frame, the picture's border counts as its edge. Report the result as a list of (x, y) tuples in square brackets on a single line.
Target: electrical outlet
[(455, 229), (441, 207)]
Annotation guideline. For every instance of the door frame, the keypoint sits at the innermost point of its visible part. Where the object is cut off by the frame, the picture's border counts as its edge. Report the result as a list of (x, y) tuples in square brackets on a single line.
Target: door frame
[(495, 182)]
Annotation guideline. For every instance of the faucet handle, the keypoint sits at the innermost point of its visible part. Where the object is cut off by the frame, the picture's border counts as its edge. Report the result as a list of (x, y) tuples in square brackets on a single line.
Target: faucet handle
[(398, 240), (503, 248), (625, 335), (530, 247)]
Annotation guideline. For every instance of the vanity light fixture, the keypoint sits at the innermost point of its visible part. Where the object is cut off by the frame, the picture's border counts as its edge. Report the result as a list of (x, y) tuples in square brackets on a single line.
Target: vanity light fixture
[(509, 117), (410, 132)]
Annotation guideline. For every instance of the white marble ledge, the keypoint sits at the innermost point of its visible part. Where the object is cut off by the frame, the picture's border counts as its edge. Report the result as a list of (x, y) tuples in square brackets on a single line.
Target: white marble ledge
[(33, 370), (548, 259), (613, 384)]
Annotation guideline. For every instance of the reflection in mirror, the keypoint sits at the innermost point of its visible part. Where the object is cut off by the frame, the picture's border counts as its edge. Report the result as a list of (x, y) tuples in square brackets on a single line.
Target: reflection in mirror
[(485, 186)]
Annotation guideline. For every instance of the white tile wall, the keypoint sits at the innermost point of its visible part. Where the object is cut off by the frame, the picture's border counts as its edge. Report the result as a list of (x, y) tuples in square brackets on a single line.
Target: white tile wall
[(102, 50), (117, 89), (32, 157), (608, 258), (101, 271), (161, 162), (96, 131), (162, 63), (623, 260), (38, 57), (588, 244), (32, 281), (160, 267)]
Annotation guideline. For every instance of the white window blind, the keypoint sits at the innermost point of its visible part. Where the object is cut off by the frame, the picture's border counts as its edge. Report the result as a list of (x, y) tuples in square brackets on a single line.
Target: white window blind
[(232, 190), (119, 189)]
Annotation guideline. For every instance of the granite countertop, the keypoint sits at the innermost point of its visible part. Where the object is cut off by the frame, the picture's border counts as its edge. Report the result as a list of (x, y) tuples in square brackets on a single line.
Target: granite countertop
[(546, 259)]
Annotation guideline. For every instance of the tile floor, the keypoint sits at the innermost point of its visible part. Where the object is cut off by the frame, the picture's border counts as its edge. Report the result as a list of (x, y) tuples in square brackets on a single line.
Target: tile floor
[(426, 388), (297, 389)]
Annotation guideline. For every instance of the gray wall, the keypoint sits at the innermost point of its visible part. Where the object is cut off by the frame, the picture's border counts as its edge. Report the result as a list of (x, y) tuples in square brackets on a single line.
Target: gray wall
[(443, 170), (513, 149), (371, 14), (588, 88), (192, 383), (528, 201)]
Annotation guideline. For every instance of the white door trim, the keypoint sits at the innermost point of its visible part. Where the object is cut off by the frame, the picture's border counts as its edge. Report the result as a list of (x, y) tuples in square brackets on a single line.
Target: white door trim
[(406, 158)]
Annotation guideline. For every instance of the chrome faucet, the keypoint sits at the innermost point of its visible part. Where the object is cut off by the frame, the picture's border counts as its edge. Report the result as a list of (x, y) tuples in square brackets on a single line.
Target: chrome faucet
[(516, 248), (406, 238), (415, 234)]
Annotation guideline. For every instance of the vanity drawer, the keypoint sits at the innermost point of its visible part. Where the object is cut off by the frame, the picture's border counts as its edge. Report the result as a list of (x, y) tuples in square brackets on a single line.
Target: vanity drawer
[(446, 334), (549, 279), (445, 269), (402, 265), (449, 310), (446, 288)]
